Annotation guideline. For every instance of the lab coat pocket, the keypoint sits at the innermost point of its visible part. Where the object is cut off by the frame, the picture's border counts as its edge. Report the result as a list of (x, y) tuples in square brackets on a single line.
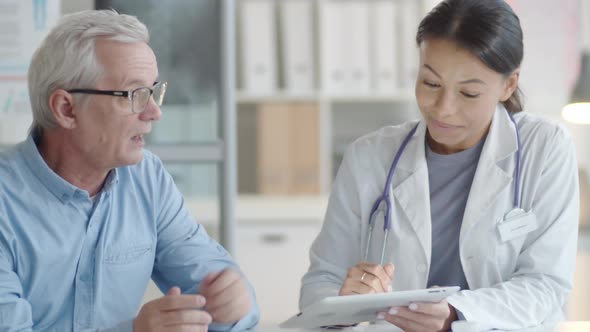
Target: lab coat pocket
[(511, 232), (517, 223)]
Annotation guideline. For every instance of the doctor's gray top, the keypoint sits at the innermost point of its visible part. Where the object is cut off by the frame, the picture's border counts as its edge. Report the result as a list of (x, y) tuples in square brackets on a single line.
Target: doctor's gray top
[(517, 278), (449, 178)]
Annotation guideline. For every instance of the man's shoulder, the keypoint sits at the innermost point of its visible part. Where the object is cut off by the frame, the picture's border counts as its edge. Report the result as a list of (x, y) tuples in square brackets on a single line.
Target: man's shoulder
[(8, 154), (12, 174), (11, 165)]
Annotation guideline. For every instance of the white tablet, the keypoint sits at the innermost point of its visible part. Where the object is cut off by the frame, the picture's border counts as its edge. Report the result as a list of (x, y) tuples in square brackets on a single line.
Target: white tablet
[(352, 309)]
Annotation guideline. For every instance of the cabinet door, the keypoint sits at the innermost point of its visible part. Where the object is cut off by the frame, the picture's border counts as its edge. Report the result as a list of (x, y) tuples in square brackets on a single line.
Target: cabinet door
[(274, 258)]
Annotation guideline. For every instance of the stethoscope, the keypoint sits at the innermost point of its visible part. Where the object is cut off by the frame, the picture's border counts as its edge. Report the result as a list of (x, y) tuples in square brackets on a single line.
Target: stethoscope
[(385, 198)]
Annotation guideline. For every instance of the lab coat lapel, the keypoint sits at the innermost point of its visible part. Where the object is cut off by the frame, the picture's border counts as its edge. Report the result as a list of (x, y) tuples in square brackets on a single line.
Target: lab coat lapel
[(412, 191), (490, 178)]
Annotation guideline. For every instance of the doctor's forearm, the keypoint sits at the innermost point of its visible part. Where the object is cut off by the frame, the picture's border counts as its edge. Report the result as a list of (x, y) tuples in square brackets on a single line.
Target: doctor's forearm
[(523, 301)]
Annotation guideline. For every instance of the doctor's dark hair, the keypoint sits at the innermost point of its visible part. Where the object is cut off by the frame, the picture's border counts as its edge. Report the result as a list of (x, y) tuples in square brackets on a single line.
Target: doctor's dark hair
[(488, 29)]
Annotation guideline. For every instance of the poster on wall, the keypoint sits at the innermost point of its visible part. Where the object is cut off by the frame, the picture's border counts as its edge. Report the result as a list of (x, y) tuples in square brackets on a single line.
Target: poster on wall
[(23, 24)]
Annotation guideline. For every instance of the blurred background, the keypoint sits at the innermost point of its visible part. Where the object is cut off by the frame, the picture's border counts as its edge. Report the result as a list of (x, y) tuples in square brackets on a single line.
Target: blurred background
[(264, 96)]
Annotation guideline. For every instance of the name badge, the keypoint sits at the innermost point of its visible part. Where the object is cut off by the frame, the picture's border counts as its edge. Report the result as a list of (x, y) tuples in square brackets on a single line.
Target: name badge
[(517, 223)]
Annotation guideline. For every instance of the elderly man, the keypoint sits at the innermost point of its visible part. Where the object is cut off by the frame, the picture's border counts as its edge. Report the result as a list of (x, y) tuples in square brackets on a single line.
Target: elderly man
[(87, 216)]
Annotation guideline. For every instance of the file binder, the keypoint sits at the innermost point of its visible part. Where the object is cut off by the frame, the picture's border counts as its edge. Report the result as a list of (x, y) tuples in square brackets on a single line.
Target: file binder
[(297, 44), (384, 46), (258, 58)]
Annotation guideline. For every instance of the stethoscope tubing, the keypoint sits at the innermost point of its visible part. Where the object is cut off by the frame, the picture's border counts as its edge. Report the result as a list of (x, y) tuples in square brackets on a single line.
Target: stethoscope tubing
[(385, 198)]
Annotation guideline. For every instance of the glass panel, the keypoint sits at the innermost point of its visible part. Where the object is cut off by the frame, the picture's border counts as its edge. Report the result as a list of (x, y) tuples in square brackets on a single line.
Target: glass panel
[(185, 36)]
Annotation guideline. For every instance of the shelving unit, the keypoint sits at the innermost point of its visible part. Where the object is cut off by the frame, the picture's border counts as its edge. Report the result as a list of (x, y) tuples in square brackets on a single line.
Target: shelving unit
[(336, 116), (293, 221), (338, 111), (282, 224)]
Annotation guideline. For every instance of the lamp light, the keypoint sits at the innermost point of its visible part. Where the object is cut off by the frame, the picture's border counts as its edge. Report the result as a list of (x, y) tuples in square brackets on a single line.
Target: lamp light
[(578, 109)]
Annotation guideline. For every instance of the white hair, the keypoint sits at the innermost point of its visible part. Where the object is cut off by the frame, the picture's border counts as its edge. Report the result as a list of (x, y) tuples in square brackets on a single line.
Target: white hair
[(67, 59)]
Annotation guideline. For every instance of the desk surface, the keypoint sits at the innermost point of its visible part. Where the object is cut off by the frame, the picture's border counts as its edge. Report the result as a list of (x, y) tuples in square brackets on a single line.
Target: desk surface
[(562, 327)]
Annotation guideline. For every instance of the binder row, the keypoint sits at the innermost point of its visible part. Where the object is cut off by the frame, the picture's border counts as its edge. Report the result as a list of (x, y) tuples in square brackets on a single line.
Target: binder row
[(288, 148), (338, 47)]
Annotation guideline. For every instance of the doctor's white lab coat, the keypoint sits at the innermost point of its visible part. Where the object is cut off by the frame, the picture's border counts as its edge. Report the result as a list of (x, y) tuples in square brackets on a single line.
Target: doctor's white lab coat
[(516, 280)]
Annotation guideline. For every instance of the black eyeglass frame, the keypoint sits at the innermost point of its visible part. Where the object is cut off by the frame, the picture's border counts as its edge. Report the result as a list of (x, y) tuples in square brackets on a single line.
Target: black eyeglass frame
[(126, 94)]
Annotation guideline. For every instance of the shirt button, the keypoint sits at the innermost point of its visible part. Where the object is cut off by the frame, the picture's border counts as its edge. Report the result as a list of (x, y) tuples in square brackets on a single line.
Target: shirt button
[(421, 268)]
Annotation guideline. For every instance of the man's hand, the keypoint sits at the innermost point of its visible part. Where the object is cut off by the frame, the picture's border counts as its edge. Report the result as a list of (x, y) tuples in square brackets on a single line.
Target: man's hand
[(228, 298), (422, 317), (366, 278), (173, 312)]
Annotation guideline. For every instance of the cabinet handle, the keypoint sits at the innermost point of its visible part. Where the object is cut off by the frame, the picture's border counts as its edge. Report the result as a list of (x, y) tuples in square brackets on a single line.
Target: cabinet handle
[(276, 238)]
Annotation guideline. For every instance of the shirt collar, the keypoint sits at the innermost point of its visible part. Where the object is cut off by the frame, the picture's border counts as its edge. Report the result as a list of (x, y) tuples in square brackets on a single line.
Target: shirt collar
[(61, 188), (111, 181)]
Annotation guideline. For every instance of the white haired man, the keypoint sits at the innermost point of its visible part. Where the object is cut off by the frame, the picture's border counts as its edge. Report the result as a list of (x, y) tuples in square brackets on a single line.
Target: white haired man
[(87, 216)]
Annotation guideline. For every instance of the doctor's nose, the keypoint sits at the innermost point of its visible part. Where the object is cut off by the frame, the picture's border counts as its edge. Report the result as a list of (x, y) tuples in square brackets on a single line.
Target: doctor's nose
[(445, 105)]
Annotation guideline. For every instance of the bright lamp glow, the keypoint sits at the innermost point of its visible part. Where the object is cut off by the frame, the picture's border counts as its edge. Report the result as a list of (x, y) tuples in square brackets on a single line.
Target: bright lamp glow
[(577, 113), (578, 109)]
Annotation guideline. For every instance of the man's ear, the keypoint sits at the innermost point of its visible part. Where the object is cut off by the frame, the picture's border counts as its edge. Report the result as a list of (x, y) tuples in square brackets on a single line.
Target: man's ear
[(510, 85), (61, 104)]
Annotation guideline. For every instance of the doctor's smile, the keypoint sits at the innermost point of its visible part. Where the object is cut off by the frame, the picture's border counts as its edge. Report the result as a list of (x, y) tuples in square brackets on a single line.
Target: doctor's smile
[(442, 125)]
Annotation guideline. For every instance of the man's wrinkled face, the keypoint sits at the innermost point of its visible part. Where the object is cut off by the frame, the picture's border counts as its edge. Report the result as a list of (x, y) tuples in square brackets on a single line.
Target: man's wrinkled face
[(107, 131)]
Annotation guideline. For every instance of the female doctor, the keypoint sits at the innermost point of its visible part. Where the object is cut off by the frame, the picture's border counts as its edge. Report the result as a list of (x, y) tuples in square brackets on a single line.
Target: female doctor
[(476, 194)]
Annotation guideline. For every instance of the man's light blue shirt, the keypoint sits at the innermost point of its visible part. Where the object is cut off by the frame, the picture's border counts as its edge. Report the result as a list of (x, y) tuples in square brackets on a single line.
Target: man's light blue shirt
[(68, 262)]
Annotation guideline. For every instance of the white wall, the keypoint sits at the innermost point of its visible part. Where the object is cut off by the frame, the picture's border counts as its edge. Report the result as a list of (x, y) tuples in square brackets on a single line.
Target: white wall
[(70, 6)]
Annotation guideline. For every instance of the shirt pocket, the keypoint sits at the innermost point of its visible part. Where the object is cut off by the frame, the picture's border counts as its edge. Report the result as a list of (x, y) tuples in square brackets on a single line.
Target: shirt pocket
[(126, 271), (128, 255)]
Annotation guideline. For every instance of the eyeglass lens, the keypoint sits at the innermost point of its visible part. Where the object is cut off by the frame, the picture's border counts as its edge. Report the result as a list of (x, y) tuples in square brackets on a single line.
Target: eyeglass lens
[(141, 97)]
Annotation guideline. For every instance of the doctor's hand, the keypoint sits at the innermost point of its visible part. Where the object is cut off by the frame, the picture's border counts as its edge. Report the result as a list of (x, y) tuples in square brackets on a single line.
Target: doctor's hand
[(366, 278), (173, 312), (422, 317), (228, 298)]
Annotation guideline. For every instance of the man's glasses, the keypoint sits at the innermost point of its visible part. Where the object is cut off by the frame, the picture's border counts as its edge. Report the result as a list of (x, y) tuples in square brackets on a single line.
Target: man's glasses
[(139, 97)]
